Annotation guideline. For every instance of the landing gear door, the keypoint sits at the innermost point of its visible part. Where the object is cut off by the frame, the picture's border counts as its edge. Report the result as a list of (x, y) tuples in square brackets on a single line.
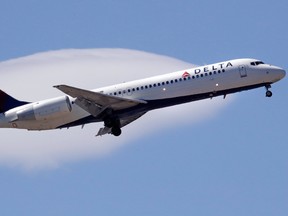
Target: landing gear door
[(242, 71)]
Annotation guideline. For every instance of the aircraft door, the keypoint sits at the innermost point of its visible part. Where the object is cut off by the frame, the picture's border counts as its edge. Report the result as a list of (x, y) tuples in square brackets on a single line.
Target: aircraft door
[(242, 71)]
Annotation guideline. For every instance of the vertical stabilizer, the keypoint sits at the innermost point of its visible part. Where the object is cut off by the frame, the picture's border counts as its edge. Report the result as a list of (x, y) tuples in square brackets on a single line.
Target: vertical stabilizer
[(7, 102)]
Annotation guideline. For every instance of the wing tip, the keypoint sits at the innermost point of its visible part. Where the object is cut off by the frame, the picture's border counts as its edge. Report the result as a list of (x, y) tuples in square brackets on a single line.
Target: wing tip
[(57, 86)]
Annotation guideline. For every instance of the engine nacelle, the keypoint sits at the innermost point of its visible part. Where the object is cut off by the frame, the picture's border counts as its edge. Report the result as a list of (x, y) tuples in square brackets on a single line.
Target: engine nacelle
[(44, 110)]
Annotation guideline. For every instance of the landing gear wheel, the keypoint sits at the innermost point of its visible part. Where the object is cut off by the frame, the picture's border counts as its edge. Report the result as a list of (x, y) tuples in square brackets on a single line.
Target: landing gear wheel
[(268, 93), (116, 131)]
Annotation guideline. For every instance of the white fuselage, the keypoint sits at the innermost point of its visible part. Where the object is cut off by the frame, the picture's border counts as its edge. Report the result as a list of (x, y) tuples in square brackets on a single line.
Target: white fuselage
[(159, 91)]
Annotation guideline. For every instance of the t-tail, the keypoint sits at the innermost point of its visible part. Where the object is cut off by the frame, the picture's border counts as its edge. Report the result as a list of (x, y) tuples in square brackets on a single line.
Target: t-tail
[(7, 102)]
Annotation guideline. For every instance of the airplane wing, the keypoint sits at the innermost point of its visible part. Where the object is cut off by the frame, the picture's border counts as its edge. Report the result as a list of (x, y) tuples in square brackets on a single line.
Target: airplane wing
[(123, 122), (95, 102)]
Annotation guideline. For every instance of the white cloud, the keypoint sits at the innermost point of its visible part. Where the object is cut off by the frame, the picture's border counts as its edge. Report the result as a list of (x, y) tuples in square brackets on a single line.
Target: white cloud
[(31, 78)]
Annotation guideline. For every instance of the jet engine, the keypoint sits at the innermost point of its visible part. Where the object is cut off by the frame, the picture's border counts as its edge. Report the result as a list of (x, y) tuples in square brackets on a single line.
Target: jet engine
[(48, 109)]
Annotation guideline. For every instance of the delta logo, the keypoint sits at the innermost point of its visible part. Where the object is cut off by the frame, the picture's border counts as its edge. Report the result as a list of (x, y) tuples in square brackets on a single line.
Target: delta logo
[(186, 74)]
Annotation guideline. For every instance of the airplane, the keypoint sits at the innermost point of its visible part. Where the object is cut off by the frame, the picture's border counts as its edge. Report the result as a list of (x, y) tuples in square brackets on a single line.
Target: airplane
[(119, 105)]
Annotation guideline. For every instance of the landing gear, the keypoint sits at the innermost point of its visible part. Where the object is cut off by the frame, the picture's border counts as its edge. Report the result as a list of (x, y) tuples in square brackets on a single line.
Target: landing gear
[(114, 124), (268, 92), (116, 131)]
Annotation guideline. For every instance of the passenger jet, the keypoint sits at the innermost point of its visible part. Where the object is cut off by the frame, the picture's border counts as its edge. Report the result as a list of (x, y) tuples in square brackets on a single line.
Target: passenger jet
[(119, 105)]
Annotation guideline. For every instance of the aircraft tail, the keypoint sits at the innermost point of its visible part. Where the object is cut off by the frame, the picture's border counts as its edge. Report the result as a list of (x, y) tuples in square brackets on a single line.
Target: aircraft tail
[(7, 102)]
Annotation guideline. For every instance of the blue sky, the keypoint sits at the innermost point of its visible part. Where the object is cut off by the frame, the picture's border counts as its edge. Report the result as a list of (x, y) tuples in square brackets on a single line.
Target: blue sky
[(234, 163)]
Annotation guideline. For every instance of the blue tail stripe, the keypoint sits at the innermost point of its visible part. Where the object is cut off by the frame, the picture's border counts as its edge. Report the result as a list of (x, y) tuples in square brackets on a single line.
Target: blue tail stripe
[(7, 102)]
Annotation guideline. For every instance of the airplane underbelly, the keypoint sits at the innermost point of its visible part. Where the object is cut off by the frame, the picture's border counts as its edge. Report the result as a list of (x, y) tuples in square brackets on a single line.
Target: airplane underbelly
[(35, 125)]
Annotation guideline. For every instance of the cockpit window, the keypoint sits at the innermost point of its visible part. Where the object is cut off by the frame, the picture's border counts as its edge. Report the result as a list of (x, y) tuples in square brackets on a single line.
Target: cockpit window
[(257, 63)]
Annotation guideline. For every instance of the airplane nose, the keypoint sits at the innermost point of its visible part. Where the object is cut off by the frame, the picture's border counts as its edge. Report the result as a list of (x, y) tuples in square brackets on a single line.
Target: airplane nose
[(281, 73)]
